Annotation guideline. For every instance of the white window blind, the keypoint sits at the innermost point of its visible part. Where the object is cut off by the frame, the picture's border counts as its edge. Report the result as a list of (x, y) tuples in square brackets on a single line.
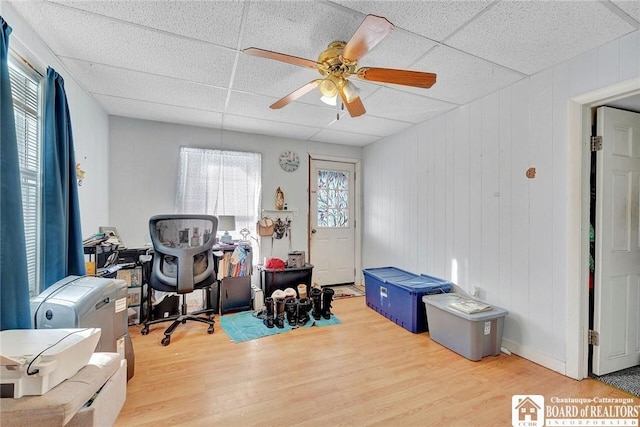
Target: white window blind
[(220, 182), (25, 87)]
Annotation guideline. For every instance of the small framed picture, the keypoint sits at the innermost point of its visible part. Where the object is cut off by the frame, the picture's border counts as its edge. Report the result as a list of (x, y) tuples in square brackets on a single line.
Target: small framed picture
[(184, 236)]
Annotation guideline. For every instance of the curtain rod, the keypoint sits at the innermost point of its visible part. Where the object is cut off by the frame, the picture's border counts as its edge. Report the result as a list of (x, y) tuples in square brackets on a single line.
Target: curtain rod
[(28, 64)]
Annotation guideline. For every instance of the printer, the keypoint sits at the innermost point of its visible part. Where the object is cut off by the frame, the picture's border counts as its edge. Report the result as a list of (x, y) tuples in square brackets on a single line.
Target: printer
[(34, 361), (88, 302)]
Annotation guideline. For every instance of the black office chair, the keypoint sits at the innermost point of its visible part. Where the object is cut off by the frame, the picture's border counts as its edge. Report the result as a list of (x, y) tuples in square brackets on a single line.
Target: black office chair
[(182, 262)]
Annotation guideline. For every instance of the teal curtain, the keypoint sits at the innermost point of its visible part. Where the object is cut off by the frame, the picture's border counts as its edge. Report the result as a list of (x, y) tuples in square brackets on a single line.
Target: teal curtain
[(14, 283), (63, 254)]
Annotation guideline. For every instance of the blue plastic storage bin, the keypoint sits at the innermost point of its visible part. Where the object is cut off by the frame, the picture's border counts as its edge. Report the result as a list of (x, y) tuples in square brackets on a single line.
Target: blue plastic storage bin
[(397, 295)]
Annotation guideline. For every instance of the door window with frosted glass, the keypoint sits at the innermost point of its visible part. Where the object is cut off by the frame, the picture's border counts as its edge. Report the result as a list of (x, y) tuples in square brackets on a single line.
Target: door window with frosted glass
[(333, 198)]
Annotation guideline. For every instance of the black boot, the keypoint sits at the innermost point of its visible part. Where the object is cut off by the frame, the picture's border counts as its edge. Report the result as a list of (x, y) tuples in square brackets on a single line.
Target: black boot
[(268, 319), (304, 306), (316, 297), (279, 318), (291, 308), (327, 297)]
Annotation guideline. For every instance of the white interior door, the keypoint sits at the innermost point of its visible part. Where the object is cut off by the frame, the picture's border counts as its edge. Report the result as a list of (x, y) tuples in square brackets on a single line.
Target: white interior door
[(332, 222), (617, 268)]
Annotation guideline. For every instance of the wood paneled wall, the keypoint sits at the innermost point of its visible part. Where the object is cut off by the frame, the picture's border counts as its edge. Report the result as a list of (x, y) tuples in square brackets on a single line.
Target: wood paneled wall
[(450, 196)]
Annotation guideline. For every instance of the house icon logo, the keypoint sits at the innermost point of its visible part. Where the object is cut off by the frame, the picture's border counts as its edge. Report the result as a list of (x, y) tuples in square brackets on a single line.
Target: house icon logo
[(527, 410)]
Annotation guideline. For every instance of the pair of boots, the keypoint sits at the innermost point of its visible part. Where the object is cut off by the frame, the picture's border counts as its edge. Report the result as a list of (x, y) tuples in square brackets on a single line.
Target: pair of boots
[(272, 319), (297, 310), (321, 302)]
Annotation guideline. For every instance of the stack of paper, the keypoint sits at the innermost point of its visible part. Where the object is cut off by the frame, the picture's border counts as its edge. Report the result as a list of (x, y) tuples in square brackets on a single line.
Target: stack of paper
[(470, 306)]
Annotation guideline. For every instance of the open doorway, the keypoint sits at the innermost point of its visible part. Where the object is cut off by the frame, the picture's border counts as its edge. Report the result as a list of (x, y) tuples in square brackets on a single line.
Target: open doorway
[(580, 129), (614, 245)]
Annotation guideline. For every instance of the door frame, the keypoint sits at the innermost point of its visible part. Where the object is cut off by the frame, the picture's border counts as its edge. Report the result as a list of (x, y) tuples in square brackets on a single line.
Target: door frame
[(357, 206), (578, 174)]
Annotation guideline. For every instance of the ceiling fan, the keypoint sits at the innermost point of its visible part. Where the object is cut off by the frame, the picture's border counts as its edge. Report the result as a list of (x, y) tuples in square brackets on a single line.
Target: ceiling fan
[(339, 61)]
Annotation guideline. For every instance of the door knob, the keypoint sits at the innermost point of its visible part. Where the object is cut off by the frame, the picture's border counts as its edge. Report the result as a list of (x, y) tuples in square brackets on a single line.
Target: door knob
[(313, 231)]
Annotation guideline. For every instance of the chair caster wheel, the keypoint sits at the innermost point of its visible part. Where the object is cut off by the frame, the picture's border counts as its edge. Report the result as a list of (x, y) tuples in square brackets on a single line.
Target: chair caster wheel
[(144, 331), (210, 329), (165, 341)]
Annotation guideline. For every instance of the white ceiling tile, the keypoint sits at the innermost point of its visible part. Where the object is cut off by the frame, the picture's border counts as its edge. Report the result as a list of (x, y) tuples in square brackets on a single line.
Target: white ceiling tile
[(433, 19), (217, 22), (344, 138), (631, 8), (534, 35), (461, 78), (398, 50), (298, 28), (135, 85), (172, 60), (242, 104), (267, 127), (80, 35), (159, 112), (404, 106), (369, 125)]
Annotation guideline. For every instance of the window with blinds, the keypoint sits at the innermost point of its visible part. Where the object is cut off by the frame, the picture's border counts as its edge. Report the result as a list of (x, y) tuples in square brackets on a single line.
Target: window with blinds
[(25, 87)]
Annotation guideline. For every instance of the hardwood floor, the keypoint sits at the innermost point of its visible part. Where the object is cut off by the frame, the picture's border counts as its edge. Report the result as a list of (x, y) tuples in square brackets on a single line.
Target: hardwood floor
[(366, 371)]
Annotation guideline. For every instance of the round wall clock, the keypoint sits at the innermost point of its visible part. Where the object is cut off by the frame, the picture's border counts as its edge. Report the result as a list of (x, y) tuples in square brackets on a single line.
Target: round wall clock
[(289, 161)]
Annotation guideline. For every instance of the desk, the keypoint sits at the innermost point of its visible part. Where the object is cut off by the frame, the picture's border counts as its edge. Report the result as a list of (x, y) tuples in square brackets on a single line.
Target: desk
[(288, 277)]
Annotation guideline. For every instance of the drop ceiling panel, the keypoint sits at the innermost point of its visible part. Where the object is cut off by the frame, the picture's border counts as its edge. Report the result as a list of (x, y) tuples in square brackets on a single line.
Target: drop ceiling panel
[(344, 138), (80, 35), (267, 127), (631, 8), (135, 85), (408, 107), (534, 35), (217, 22), (298, 28), (461, 77), (257, 106), (159, 112), (182, 61), (369, 125), (433, 19)]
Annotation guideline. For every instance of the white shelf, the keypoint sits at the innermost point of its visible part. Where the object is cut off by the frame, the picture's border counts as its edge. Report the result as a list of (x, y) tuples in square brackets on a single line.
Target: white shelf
[(275, 213)]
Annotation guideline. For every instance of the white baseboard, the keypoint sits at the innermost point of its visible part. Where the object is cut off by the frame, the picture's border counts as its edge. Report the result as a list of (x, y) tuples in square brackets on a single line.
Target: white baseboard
[(535, 356)]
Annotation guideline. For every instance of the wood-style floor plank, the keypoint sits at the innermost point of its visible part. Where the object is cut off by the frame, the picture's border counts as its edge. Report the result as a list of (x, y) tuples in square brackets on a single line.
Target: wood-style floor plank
[(365, 371)]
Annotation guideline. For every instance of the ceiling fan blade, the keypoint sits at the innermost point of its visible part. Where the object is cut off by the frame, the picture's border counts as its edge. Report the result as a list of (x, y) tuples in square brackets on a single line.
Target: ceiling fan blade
[(254, 51), (399, 77), (294, 95), (355, 107), (372, 30)]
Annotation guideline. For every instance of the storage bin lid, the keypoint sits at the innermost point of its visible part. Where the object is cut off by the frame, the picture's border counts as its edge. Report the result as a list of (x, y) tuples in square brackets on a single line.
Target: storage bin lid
[(443, 301), (422, 285), (389, 274)]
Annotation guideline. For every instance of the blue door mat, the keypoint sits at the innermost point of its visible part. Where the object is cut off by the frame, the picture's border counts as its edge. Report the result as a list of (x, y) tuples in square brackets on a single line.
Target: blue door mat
[(244, 326)]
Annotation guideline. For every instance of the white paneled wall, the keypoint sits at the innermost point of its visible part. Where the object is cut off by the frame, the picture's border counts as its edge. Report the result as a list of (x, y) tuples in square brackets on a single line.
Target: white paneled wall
[(450, 197)]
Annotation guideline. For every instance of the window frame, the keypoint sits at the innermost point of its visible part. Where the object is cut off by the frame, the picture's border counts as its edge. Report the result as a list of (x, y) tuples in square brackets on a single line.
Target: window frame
[(29, 157)]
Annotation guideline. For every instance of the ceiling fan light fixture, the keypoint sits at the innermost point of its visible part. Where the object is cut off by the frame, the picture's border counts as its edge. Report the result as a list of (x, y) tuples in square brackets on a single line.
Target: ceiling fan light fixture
[(350, 91), (328, 87), (333, 101)]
